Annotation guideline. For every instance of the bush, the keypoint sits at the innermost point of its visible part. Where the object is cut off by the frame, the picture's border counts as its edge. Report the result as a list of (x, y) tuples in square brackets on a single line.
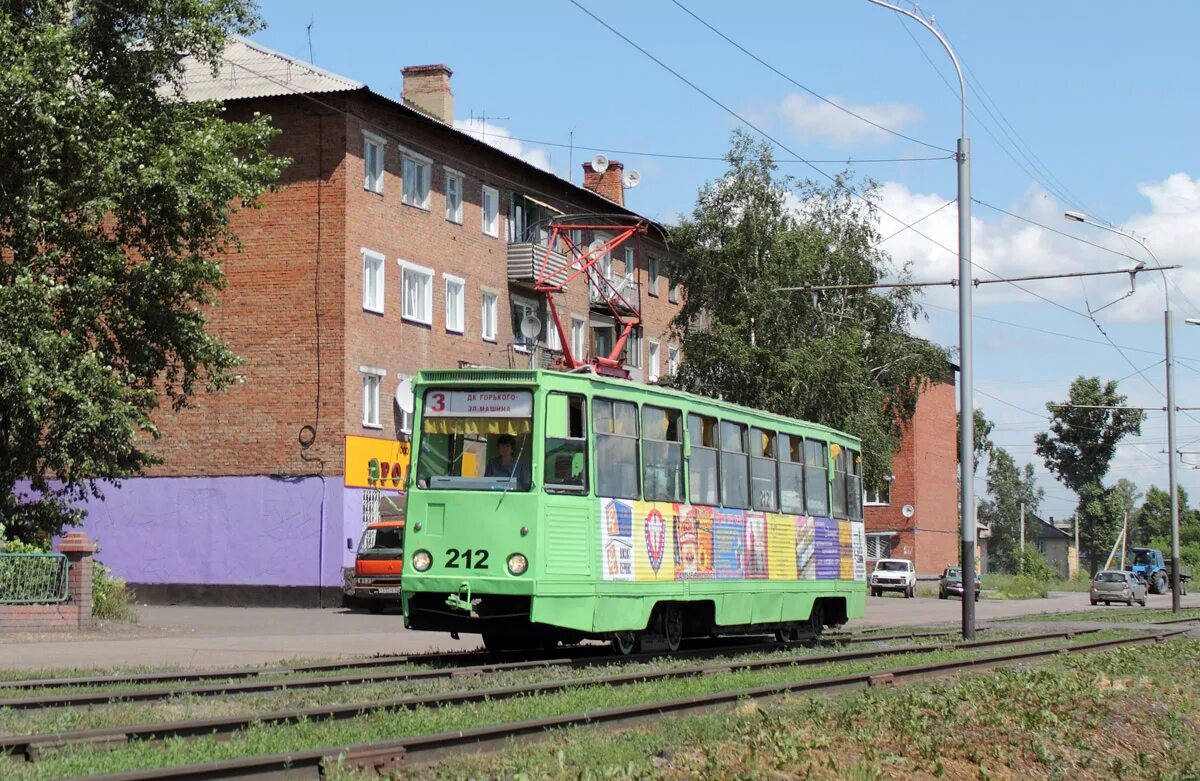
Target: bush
[(1015, 587), (109, 597), (1030, 563)]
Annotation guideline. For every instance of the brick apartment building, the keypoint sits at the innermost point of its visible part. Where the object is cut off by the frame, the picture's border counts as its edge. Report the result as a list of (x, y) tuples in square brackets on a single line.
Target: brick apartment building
[(394, 243), (915, 515)]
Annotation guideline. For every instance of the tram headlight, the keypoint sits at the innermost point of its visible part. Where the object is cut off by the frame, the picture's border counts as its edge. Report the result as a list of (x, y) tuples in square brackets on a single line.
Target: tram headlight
[(517, 563), (422, 560)]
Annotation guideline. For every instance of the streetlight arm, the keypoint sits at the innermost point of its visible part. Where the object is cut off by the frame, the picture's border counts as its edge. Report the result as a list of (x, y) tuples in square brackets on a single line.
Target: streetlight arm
[(962, 87)]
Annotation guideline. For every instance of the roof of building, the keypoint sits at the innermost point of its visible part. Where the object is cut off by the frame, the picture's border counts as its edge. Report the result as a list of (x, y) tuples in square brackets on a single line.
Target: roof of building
[(251, 70), (1047, 530)]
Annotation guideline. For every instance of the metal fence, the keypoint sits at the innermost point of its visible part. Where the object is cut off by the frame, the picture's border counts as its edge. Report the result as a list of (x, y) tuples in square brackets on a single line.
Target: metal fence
[(33, 578)]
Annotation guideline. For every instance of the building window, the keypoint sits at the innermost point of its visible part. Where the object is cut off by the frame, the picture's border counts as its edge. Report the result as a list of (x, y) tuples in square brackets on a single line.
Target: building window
[(373, 153), (879, 546), (418, 293), (454, 209), (403, 420), (489, 316), (522, 308), (578, 338), (672, 361), (372, 281), (881, 495), (652, 362), (652, 276), (633, 348), (416, 182), (455, 293), (491, 211), (553, 340), (370, 395), (673, 292)]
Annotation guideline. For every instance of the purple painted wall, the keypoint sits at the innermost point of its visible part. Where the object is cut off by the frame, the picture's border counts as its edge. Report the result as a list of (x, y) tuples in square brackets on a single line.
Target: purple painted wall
[(227, 530)]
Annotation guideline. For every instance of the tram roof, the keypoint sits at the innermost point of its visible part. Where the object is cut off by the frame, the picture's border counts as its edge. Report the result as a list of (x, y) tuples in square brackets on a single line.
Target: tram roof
[(475, 374)]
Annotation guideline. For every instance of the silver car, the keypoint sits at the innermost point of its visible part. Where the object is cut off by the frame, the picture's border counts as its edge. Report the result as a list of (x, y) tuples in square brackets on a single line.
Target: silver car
[(1114, 585)]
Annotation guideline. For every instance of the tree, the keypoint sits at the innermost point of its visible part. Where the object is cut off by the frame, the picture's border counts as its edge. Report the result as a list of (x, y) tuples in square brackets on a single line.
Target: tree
[(843, 358), (982, 436), (1082, 440), (115, 207), (1008, 488), (1153, 518)]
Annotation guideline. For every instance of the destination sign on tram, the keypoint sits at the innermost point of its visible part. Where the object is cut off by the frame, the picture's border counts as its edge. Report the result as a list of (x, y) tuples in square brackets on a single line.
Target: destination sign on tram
[(479, 404)]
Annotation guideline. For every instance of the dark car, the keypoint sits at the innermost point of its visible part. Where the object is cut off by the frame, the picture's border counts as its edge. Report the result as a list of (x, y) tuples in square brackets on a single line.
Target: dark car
[(951, 582)]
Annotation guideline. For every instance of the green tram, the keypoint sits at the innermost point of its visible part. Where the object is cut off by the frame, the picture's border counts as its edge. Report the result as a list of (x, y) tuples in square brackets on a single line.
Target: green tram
[(548, 506)]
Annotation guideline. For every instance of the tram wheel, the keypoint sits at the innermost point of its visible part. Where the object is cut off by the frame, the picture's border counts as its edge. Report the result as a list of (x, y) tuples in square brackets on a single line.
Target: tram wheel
[(624, 643), (815, 624), (672, 626), (788, 634)]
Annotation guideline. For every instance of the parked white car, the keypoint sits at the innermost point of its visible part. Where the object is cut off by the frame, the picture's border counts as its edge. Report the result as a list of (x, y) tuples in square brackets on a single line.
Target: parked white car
[(894, 575)]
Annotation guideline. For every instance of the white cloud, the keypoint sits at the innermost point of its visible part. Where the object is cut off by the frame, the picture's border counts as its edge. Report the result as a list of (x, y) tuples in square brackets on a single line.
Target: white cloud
[(503, 140), (814, 120), (1012, 247)]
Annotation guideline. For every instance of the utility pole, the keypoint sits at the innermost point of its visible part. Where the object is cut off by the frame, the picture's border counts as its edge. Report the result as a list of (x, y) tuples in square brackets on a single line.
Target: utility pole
[(1022, 528), (1075, 523)]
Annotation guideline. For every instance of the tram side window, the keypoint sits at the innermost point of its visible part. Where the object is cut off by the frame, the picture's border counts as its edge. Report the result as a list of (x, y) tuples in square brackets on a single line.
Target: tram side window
[(735, 467), (662, 454), (703, 474), (840, 469), (854, 493), (816, 480), (615, 426), (791, 474), (566, 443), (763, 480)]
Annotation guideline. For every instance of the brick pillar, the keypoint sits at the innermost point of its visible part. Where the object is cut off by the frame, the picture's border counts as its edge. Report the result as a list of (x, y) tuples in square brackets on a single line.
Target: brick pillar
[(79, 549)]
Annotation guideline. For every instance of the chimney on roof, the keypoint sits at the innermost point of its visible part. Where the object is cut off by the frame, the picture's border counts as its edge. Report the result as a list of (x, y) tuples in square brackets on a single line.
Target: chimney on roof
[(427, 89), (609, 183)]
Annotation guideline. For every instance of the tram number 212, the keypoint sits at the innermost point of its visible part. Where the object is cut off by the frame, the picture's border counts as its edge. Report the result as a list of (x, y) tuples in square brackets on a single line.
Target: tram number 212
[(472, 559)]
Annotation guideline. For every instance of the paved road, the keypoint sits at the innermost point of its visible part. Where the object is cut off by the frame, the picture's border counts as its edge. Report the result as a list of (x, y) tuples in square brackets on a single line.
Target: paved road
[(221, 637)]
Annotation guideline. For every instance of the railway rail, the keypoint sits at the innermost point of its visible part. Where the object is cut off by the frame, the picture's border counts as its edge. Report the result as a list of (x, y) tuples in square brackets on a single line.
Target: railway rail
[(383, 755), (241, 681), (34, 747)]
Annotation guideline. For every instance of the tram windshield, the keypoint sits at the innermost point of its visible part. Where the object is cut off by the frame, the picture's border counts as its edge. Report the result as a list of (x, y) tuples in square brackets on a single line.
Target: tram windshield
[(476, 440)]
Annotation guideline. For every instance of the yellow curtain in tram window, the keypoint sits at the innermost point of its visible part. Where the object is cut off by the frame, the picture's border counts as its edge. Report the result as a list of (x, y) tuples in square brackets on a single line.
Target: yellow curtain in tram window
[(478, 426)]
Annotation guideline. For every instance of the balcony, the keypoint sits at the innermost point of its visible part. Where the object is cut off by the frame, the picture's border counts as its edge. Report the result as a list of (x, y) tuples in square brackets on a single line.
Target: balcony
[(525, 260), (623, 292), (521, 355)]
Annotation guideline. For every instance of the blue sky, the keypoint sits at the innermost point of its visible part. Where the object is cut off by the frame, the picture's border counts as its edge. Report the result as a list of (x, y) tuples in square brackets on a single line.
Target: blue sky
[(1076, 105)]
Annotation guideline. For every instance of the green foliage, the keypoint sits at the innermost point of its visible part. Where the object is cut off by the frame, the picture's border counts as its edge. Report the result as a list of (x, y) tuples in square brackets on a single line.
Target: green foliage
[(1082, 440), (999, 586), (1008, 488), (1101, 512), (841, 358), (117, 197), (110, 599), (982, 436), (1032, 564)]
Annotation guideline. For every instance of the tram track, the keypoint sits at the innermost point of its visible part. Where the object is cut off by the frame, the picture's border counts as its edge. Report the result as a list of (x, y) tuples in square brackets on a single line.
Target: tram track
[(242, 680), (34, 747), (380, 756)]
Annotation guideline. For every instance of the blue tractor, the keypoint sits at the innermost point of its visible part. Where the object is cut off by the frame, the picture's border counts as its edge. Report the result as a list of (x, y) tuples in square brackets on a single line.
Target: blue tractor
[(1150, 564)]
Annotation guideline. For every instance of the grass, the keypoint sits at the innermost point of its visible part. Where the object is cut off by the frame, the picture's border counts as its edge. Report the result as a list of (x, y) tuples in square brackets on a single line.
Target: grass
[(997, 586), (261, 739), (1116, 613), (1131, 713)]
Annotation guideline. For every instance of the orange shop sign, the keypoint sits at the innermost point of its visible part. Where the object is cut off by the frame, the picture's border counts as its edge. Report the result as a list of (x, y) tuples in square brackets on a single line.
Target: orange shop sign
[(376, 463)]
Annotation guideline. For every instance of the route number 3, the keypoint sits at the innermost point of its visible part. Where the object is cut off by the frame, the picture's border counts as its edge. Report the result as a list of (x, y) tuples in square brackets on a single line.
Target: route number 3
[(473, 559), (439, 402)]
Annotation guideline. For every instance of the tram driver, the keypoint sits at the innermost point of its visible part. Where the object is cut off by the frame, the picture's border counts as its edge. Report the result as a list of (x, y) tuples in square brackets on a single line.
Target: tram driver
[(507, 464)]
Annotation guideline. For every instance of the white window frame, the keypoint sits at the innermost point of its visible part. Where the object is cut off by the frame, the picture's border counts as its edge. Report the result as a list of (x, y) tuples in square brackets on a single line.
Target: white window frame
[(652, 276), (372, 382), (881, 498), (490, 320), (415, 163), (553, 342), (652, 351), (672, 292), (380, 143), (578, 337), (630, 265), (455, 313), (529, 305), (494, 229), (455, 214), (373, 262), (406, 269), (672, 360)]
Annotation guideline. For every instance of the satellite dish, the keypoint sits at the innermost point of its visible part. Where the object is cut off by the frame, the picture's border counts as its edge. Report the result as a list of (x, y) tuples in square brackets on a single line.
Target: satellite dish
[(632, 179), (404, 395), (907, 511), (599, 164), (531, 326)]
